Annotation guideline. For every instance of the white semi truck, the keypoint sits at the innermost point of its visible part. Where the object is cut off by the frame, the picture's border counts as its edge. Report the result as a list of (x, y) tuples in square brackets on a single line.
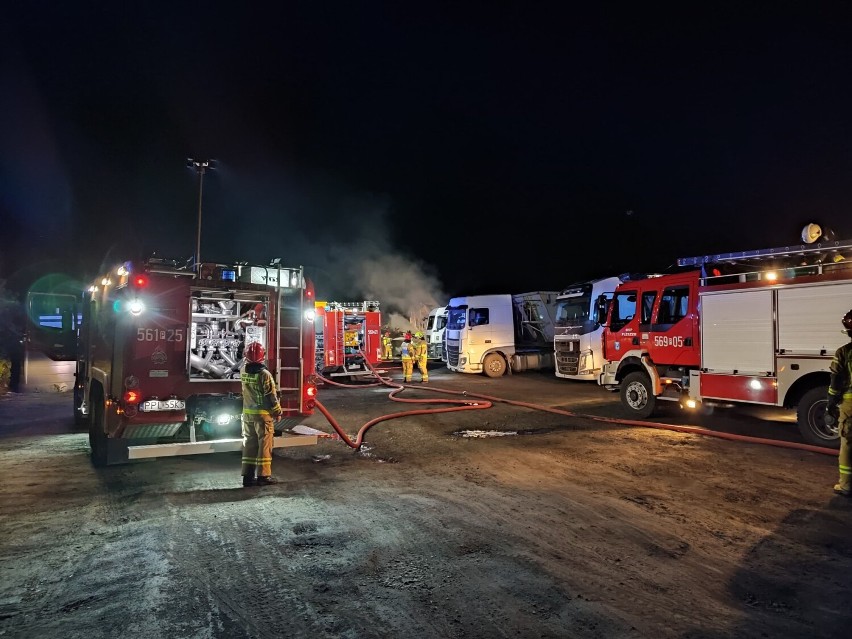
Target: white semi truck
[(435, 325), (493, 334), (577, 335)]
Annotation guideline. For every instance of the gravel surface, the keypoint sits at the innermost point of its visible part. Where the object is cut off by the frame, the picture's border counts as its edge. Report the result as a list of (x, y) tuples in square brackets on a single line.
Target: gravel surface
[(505, 522)]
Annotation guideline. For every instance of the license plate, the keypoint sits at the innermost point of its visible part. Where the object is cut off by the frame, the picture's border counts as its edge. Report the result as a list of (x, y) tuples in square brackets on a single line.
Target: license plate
[(162, 404), (354, 367)]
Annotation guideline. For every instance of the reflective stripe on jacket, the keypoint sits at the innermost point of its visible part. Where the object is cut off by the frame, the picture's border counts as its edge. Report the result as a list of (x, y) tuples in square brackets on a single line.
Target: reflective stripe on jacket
[(259, 393)]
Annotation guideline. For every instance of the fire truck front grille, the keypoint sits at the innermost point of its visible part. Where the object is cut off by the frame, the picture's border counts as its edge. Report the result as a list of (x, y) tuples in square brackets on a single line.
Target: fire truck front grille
[(151, 431), (452, 355), (568, 357)]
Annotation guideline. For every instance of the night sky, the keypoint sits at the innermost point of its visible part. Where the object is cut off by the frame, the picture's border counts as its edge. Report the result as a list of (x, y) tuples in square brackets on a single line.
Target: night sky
[(417, 151)]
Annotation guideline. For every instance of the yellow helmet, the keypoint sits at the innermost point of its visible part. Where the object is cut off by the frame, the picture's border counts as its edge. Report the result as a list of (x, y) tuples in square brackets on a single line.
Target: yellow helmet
[(419, 335)]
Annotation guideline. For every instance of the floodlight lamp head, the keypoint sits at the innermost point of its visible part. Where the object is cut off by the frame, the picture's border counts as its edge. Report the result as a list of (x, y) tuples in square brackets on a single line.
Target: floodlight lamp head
[(811, 233)]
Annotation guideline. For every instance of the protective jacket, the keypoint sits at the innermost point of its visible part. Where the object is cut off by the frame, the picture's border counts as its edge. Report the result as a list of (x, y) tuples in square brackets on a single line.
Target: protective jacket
[(259, 393), (421, 349), (840, 400), (840, 387)]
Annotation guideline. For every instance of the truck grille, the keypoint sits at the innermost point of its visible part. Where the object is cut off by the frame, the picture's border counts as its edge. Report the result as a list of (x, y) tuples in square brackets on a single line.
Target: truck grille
[(568, 357), (452, 355)]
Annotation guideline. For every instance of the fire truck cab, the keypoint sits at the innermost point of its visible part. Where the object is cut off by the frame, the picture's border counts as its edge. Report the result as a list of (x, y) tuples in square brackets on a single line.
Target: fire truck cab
[(161, 348)]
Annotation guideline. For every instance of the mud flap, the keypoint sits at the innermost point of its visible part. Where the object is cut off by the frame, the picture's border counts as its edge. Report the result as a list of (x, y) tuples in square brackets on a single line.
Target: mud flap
[(116, 451)]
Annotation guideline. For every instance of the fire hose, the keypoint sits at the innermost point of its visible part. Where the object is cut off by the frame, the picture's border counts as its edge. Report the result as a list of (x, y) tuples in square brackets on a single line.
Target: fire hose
[(486, 401)]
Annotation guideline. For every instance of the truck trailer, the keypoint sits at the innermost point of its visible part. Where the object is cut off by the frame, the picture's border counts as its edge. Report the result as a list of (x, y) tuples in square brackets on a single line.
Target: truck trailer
[(496, 334)]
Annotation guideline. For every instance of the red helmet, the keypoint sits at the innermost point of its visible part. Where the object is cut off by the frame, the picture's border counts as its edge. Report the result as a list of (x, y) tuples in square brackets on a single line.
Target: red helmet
[(255, 352), (847, 321)]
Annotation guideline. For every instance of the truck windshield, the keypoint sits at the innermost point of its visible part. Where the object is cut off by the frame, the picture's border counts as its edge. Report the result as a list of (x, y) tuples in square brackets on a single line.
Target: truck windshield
[(440, 322), (573, 311), (456, 318)]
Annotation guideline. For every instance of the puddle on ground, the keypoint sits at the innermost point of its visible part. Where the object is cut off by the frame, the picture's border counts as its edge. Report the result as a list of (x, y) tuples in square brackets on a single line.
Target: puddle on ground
[(482, 434), (364, 453)]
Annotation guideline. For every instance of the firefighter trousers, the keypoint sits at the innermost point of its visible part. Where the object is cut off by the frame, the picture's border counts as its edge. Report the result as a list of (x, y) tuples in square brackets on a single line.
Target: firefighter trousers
[(844, 459), (387, 352), (407, 368), (258, 432), (424, 371)]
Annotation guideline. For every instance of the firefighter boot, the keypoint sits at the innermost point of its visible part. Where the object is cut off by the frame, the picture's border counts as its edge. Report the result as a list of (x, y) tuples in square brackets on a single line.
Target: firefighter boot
[(249, 480), (840, 489), (266, 480)]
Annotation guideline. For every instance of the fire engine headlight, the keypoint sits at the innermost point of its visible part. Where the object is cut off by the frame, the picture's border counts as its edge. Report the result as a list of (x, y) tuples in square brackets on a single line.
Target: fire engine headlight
[(136, 307), (222, 419), (755, 384), (691, 403), (310, 315), (462, 361)]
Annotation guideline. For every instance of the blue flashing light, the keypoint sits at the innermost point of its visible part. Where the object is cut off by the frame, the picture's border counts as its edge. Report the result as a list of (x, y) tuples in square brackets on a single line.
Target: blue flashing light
[(229, 276)]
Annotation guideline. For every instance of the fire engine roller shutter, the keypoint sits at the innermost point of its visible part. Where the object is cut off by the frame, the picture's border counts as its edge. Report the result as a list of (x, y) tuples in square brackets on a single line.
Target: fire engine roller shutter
[(809, 318), (737, 333)]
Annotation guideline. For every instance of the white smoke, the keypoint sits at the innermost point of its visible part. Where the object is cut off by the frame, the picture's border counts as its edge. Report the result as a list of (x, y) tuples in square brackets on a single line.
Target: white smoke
[(345, 244)]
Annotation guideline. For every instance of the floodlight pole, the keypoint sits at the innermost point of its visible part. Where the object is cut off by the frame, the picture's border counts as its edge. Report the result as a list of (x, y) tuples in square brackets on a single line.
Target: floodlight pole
[(201, 167)]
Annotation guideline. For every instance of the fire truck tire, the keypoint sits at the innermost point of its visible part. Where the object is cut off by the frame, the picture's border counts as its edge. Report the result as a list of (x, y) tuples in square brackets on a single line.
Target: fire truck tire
[(637, 394), (810, 413), (97, 436), (494, 365)]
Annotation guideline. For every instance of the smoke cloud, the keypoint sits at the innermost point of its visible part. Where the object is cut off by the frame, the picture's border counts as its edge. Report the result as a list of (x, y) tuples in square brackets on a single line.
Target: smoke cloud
[(343, 240)]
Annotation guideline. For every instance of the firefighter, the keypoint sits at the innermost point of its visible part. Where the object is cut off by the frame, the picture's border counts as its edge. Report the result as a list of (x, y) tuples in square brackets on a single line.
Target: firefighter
[(260, 412), (839, 409), (406, 354), (387, 346), (421, 349)]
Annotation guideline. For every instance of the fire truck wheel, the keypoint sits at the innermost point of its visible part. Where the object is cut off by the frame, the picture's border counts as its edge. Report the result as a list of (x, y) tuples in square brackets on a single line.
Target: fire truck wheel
[(638, 395), (810, 413), (494, 365), (97, 436)]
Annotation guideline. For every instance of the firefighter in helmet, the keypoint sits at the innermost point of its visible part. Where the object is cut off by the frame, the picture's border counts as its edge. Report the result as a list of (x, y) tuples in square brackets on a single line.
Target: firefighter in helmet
[(406, 354), (421, 355), (839, 409), (387, 346), (260, 412)]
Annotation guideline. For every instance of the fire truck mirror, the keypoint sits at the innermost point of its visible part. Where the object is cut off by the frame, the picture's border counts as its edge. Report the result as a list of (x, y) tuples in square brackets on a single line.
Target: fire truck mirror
[(601, 308)]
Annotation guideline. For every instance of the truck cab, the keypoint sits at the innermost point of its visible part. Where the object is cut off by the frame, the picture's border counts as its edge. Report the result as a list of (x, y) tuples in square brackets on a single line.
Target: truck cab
[(577, 332), (436, 322), (651, 340)]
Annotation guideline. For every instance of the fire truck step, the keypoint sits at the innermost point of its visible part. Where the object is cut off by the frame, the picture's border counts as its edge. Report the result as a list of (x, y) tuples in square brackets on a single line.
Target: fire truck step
[(212, 446)]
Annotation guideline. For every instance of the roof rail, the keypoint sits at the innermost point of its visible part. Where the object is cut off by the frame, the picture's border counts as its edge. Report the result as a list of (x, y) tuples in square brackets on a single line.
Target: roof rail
[(826, 250)]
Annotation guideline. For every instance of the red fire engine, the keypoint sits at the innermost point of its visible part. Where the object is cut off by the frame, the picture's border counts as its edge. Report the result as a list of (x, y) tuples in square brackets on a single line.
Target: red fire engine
[(348, 337), (160, 351), (742, 333)]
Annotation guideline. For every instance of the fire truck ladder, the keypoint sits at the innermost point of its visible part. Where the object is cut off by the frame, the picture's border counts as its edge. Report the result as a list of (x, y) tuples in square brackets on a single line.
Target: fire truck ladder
[(796, 260), (289, 362), (823, 252)]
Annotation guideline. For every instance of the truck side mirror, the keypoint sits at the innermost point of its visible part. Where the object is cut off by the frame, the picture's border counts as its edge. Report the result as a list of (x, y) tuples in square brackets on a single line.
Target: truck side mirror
[(601, 309)]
